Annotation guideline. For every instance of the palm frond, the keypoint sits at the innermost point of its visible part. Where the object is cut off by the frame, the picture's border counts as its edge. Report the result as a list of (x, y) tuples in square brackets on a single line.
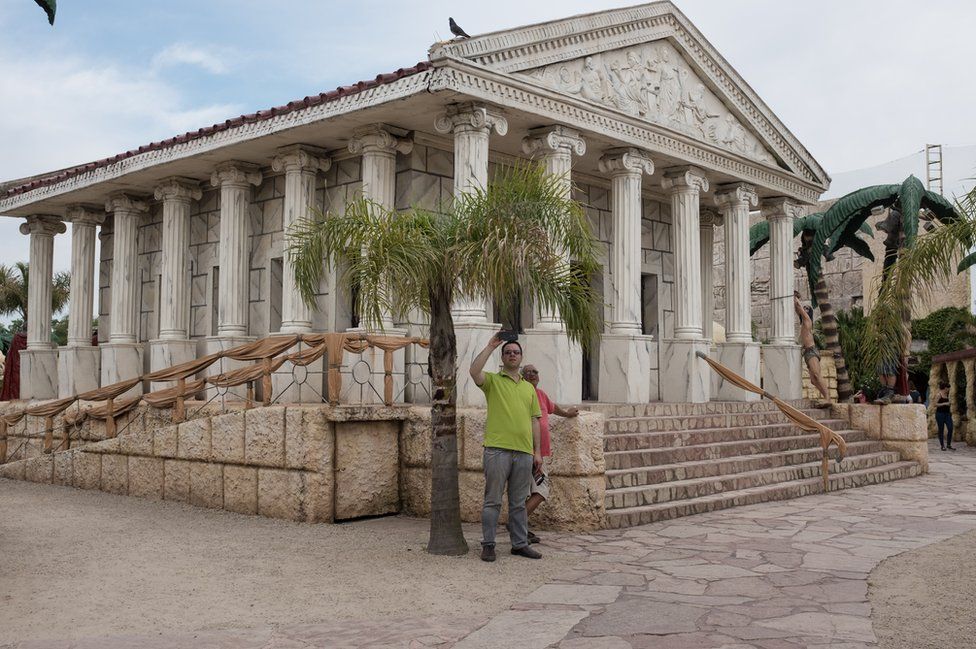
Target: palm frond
[(758, 236)]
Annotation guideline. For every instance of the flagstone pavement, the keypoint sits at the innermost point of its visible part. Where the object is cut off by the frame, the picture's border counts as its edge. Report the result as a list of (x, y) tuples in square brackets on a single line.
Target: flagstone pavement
[(778, 575)]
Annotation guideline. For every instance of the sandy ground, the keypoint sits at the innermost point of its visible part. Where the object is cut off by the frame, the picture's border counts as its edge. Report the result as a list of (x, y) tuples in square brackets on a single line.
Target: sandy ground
[(922, 599), (77, 564)]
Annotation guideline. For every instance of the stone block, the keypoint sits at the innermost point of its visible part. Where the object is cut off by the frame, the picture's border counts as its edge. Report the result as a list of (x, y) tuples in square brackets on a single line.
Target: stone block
[(840, 411), (743, 359), (13, 470), (415, 491), (121, 362), (39, 469), (782, 371), (63, 468), (227, 438), (576, 504), (87, 470), (241, 489), (146, 477), (309, 442), (194, 440), (415, 438), (904, 421), (206, 485), (319, 497), (165, 441), (281, 494), (915, 451), (866, 417), (136, 442), (577, 445), (471, 439), (367, 468), (264, 436), (624, 360), (471, 488), (176, 484), (115, 474)]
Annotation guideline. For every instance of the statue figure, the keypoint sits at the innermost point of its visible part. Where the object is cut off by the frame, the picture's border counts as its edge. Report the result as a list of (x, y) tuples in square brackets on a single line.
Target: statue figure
[(695, 112), (592, 85), (669, 96)]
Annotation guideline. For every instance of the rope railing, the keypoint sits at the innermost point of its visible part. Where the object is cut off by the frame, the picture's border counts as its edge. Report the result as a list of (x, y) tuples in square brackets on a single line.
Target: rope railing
[(266, 356)]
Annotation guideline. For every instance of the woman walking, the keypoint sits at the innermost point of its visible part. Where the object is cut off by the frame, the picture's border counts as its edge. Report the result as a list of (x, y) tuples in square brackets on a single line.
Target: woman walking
[(943, 416)]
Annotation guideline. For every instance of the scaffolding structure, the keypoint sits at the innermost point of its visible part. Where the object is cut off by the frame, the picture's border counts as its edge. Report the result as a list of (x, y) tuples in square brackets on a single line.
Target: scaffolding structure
[(933, 168)]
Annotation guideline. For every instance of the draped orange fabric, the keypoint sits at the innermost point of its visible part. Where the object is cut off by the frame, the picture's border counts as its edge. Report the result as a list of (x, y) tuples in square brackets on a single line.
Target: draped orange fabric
[(109, 391), (184, 370), (49, 408), (242, 375), (167, 397)]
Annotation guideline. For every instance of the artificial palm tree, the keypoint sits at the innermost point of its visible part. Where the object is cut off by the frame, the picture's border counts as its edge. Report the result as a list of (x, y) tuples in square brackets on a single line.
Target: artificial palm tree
[(806, 228), (13, 290), (506, 240)]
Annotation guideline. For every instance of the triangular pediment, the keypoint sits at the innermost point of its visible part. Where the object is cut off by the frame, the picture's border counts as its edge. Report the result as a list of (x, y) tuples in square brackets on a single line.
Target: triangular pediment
[(648, 62)]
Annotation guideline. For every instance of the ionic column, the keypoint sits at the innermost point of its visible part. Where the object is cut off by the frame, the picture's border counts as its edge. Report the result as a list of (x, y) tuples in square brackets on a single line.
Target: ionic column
[(83, 222), (301, 164), (734, 201), (379, 145), (124, 312), (554, 146), (234, 180), (685, 185), (41, 229), (177, 195), (471, 125), (780, 213), (707, 222)]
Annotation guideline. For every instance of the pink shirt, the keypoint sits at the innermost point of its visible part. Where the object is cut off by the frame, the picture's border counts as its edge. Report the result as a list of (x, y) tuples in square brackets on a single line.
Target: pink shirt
[(547, 407)]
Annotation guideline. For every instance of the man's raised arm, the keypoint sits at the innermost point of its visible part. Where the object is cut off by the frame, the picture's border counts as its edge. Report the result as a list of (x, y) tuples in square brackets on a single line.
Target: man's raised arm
[(478, 364)]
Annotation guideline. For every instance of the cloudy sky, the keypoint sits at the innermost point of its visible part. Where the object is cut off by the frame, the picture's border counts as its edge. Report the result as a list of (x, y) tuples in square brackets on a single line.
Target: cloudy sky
[(860, 82)]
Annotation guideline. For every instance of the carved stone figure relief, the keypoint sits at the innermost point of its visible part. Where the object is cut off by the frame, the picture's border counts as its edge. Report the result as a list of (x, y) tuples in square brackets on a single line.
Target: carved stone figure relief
[(653, 81)]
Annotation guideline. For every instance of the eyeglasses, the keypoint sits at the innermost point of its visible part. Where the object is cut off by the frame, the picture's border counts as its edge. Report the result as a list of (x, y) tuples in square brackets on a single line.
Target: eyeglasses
[(512, 352)]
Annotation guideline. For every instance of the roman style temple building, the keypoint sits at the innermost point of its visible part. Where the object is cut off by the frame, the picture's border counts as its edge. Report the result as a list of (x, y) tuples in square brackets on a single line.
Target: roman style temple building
[(647, 124)]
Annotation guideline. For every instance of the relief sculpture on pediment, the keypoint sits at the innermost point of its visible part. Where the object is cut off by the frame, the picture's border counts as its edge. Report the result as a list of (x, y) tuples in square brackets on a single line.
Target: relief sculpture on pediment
[(652, 81)]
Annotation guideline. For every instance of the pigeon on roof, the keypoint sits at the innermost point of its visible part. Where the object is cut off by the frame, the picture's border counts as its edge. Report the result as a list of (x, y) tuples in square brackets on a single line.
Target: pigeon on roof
[(456, 29)]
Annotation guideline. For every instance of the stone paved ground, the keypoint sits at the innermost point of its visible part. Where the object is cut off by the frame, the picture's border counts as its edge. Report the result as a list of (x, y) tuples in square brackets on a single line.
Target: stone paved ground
[(772, 576)]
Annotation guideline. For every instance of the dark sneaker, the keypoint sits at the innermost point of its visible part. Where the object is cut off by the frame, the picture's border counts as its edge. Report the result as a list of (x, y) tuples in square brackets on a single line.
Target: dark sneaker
[(526, 552), (951, 448), (533, 539), (488, 553)]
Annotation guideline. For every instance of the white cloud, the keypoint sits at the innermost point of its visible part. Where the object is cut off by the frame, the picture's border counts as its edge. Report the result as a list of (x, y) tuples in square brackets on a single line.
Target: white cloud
[(208, 59)]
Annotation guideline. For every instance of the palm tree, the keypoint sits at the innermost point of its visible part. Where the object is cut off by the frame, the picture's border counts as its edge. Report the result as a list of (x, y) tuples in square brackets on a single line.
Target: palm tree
[(807, 228), (907, 204), (13, 290), (496, 243)]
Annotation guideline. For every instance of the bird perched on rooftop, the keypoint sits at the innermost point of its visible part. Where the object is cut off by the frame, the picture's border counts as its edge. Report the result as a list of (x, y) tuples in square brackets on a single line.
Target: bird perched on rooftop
[(456, 29)]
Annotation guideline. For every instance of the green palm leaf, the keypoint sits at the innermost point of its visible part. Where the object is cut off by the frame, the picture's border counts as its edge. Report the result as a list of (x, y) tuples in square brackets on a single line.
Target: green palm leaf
[(910, 196)]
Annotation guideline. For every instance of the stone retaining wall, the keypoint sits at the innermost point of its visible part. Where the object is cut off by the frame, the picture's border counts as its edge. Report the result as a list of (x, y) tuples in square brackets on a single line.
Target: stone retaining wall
[(900, 427)]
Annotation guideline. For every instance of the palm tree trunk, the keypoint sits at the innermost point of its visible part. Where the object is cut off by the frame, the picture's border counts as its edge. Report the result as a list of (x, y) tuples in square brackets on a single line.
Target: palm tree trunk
[(445, 501), (828, 321)]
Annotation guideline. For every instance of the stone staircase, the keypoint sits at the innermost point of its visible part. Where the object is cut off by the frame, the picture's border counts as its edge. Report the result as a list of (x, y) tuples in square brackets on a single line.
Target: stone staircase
[(669, 460)]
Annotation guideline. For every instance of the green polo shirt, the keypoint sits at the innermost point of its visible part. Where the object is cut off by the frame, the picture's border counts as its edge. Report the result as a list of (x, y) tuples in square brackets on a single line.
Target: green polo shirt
[(511, 406)]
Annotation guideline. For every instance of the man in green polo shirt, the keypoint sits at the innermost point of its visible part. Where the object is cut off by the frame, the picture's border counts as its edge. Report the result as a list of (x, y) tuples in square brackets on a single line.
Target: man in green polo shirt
[(512, 445)]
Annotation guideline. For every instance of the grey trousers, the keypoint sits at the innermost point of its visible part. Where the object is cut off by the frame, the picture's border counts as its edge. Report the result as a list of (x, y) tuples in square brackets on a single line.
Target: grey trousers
[(514, 468)]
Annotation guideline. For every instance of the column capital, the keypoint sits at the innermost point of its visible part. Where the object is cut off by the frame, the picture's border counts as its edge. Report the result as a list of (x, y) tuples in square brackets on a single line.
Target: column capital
[(684, 179), (553, 139), (43, 224), (735, 195), (380, 138), (82, 214), (301, 157), (626, 161), (780, 207), (235, 172), (471, 116), (709, 218), (122, 202), (179, 189)]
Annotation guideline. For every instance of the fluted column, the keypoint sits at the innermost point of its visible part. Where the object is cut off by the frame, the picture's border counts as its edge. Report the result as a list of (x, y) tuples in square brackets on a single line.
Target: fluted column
[(41, 229), (707, 223), (124, 312), (780, 213), (734, 201), (685, 185), (234, 180), (83, 220), (554, 146), (177, 195), (301, 164), (379, 145), (471, 125)]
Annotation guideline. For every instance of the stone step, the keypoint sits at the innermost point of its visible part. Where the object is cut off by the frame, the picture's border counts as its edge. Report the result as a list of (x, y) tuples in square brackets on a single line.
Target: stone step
[(632, 516), (657, 456), (645, 475), (666, 423), (685, 409), (699, 487), (673, 439)]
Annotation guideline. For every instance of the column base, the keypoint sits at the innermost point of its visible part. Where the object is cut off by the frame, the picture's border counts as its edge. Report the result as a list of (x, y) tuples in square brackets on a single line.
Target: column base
[(559, 361), (120, 362), (79, 370), (685, 378), (782, 367), (39, 373), (471, 338), (167, 353), (299, 383), (212, 344), (625, 362), (743, 359)]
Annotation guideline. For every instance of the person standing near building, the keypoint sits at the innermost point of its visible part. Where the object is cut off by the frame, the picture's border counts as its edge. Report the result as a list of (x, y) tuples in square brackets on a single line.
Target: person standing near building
[(810, 354), (511, 446), (943, 416), (540, 479)]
